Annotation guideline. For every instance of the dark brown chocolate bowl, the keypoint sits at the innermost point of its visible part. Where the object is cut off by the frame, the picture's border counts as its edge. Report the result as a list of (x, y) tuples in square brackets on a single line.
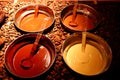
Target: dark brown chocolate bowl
[(91, 13)]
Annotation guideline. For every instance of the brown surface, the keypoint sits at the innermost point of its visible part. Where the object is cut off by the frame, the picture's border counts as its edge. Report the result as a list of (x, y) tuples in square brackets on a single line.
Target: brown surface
[(109, 29)]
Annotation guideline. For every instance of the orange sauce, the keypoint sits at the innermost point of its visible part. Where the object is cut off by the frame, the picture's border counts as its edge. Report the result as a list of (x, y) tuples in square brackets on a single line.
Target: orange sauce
[(32, 24), (81, 20), (40, 61)]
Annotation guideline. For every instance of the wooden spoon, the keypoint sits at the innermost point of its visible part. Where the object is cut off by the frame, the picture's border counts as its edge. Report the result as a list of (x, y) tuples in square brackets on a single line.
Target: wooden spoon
[(95, 1), (27, 63), (72, 23), (36, 11)]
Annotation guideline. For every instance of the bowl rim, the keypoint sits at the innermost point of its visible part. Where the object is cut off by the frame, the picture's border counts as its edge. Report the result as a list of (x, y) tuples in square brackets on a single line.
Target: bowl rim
[(98, 18), (110, 57), (18, 38), (30, 5)]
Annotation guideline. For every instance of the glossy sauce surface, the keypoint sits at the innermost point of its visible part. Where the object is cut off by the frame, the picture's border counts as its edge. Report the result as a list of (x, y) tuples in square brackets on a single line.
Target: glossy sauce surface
[(41, 61), (89, 63), (32, 24), (83, 22)]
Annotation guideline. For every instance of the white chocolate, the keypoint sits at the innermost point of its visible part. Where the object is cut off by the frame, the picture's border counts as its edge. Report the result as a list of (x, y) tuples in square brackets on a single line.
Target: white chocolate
[(89, 63)]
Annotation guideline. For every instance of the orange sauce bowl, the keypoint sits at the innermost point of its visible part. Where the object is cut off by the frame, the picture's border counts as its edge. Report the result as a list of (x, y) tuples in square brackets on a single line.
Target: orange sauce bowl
[(25, 21), (87, 18), (20, 49)]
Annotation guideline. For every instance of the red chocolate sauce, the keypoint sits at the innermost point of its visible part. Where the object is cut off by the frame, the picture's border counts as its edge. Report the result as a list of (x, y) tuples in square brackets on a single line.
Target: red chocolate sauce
[(41, 61)]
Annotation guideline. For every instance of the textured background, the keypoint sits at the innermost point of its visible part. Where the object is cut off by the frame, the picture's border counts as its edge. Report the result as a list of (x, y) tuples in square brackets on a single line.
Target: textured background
[(108, 29)]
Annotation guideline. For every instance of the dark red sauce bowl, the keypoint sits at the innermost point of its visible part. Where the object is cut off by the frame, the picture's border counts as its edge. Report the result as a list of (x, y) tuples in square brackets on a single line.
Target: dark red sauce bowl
[(20, 48)]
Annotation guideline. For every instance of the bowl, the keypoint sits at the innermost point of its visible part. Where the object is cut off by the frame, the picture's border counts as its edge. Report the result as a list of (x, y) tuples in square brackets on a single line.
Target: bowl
[(91, 60), (86, 18), (26, 21), (19, 50)]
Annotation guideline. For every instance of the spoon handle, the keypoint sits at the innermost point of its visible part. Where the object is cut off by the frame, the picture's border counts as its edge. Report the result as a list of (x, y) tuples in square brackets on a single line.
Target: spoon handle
[(35, 44), (36, 11), (38, 37), (95, 1), (74, 12)]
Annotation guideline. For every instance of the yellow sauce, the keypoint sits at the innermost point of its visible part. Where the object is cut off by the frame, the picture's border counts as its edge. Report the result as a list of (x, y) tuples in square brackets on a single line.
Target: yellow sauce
[(88, 63), (32, 24)]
